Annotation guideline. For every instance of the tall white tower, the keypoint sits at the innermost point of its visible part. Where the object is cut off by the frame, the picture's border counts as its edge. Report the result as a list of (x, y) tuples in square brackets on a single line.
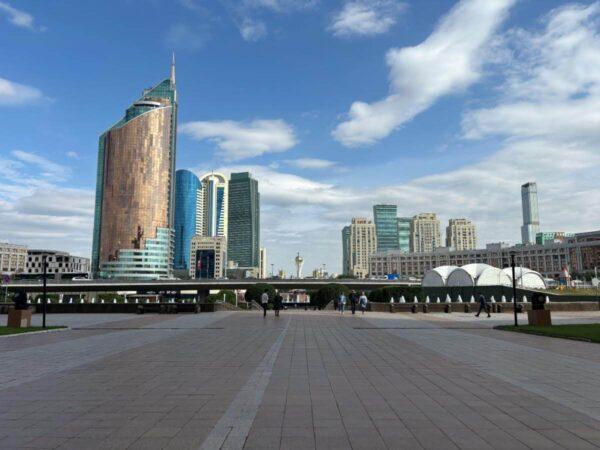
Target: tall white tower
[(299, 263), (212, 217), (531, 218)]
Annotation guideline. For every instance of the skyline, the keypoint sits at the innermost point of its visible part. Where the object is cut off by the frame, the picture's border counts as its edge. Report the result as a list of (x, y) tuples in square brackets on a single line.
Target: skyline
[(313, 175)]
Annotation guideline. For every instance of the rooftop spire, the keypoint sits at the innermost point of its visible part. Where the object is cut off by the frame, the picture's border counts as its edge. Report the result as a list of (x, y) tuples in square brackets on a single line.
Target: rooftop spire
[(172, 77)]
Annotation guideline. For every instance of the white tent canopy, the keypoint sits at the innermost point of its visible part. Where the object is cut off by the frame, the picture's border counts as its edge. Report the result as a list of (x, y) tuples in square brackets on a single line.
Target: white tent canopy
[(466, 275), (437, 277), (526, 278)]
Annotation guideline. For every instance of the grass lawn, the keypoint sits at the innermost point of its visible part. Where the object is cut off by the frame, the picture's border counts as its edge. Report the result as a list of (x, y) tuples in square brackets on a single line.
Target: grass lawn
[(589, 332), (10, 330)]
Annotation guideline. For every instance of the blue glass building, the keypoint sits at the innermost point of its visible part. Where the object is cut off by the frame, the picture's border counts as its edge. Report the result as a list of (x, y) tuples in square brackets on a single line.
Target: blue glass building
[(187, 200), (386, 225)]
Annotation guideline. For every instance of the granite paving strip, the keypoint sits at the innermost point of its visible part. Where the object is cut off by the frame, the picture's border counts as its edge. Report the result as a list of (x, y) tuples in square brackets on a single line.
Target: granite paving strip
[(539, 371), (233, 427), (28, 364)]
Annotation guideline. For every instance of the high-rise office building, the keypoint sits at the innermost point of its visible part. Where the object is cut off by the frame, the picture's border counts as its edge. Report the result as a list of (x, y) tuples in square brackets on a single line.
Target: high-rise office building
[(135, 189), (213, 206), (531, 218), (461, 234), (262, 270), (346, 250), (243, 235), (208, 256), (386, 226), (404, 234), (363, 243), (425, 233), (187, 201)]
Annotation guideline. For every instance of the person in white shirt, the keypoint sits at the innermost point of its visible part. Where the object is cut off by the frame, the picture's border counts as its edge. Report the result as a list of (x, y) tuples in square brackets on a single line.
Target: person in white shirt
[(264, 302)]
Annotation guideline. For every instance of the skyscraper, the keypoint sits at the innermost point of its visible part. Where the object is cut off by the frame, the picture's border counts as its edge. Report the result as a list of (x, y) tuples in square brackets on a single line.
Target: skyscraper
[(213, 205), (363, 243), (461, 234), (187, 200), (346, 250), (425, 233), (531, 218), (386, 226), (135, 189), (244, 221), (404, 234)]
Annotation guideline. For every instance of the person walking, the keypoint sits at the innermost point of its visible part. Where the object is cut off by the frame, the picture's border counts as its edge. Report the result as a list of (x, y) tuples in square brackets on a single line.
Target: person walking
[(353, 301), (342, 303), (363, 300), (264, 302), (483, 306), (278, 304)]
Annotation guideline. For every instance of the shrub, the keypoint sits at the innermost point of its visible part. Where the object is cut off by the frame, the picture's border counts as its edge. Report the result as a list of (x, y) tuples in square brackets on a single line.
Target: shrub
[(255, 291), (327, 293)]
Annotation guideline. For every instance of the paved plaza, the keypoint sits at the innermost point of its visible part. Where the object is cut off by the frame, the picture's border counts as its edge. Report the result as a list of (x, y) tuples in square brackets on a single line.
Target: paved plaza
[(302, 380)]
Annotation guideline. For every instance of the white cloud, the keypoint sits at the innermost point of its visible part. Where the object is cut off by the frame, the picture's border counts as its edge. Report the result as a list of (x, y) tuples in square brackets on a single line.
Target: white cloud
[(311, 163), (239, 140), (12, 93), (252, 30), (17, 17), (45, 167), (72, 155), (281, 6), (366, 17), (448, 61)]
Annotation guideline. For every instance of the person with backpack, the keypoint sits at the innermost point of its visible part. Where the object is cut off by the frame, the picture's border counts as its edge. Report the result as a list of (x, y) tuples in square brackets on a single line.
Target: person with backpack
[(363, 300), (264, 302)]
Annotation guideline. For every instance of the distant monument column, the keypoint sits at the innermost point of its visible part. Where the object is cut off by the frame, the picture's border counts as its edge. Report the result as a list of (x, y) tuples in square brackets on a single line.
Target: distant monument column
[(299, 263)]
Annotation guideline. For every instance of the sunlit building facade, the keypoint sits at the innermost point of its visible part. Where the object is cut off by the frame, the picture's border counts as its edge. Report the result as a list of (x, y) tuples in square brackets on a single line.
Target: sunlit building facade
[(135, 189), (213, 205), (425, 233), (187, 206)]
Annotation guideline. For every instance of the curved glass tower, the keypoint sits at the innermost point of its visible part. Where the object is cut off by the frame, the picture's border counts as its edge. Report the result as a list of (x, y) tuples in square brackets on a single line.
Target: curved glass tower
[(133, 224), (213, 208), (187, 202)]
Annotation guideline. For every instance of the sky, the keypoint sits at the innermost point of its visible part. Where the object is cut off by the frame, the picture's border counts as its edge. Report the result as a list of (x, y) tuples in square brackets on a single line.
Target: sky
[(434, 105)]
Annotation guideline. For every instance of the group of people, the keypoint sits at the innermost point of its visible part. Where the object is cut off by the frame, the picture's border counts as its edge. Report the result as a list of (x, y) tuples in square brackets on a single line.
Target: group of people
[(277, 303), (354, 299)]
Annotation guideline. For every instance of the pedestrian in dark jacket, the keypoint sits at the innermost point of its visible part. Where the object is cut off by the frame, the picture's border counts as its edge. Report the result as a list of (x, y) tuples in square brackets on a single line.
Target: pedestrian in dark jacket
[(353, 300), (483, 306), (278, 304)]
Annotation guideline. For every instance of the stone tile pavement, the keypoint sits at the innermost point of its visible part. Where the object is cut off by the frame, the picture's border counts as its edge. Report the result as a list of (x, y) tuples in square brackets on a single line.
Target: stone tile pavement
[(303, 380)]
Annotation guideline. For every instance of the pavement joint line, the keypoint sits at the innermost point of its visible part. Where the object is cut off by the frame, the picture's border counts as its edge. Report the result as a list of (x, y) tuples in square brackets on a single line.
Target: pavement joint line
[(233, 428), (35, 332)]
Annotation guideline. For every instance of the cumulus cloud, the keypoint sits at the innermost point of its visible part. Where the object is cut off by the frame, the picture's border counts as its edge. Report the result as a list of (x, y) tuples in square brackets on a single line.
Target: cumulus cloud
[(366, 17), (46, 168), (239, 140), (311, 163), (185, 37), (17, 17), (252, 30), (12, 93), (448, 61)]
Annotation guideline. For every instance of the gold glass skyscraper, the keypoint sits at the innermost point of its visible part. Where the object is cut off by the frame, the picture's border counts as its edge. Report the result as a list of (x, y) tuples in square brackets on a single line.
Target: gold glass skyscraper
[(133, 224)]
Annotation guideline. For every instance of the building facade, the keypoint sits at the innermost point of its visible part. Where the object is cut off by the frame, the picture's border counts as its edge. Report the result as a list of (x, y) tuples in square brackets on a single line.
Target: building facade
[(135, 189), (346, 250), (243, 233), (13, 258), (531, 217), (386, 227), (579, 254), (363, 243), (552, 236), (262, 272), (461, 234), (425, 233), (404, 234), (208, 256), (59, 264), (213, 210), (187, 204)]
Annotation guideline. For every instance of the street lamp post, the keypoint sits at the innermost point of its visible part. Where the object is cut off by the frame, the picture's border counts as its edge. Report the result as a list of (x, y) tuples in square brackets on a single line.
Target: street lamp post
[(44, 289), (514, 284)]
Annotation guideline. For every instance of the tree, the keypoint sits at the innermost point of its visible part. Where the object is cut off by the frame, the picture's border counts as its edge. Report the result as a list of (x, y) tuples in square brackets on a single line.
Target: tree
[(327, 293), (255, 291), (218, 297)]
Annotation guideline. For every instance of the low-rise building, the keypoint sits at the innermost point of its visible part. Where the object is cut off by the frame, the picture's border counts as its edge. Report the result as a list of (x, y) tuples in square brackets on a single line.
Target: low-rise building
[(13, 258), (579, 254), (60, 264), (208, 256)]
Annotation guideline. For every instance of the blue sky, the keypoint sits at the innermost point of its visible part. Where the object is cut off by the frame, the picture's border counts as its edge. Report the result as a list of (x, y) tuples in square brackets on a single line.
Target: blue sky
[(437, 106)]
